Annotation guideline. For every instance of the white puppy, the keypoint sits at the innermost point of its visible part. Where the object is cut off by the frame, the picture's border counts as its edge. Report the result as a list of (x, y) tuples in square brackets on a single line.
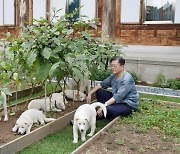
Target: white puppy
[(74, 94), (25, 121), (85, 117), (84, 84), (55, 102), (4, 103)]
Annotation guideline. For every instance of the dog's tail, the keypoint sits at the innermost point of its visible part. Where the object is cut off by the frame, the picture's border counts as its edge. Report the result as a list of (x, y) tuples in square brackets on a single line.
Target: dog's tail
[(96, 104), (49, 119)]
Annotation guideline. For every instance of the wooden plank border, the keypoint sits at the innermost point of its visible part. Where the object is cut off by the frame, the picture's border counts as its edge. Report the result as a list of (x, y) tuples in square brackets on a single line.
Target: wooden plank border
[(28, 139), (93, 138)]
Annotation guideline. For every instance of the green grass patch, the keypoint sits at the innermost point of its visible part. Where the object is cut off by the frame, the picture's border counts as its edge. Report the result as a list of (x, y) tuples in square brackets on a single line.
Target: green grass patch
[(157, 116), (59, 142), (162, 98)]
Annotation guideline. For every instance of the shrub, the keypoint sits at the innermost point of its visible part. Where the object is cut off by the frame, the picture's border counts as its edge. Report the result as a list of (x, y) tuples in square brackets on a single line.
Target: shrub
[(135, 77), (160, 81), (100, 74), (174, 83)]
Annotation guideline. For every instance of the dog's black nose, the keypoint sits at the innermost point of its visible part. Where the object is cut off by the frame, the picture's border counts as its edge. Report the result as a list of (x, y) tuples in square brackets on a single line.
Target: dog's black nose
[(82, 130)]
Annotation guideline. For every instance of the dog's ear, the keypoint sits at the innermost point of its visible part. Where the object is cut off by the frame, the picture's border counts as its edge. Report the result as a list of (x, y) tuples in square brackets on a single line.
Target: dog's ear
[(26, 123), (87, 120)]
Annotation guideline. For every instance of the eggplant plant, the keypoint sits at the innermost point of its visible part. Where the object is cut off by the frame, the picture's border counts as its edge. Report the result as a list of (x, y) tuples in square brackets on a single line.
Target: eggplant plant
[(59, 49)]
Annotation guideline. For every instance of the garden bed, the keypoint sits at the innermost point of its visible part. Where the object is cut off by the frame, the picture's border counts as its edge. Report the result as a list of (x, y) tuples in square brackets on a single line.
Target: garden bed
[(14, 111), (154, 128)]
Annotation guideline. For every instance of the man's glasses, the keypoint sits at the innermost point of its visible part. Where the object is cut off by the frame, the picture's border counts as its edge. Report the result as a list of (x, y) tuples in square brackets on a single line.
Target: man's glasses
[(113, 66)]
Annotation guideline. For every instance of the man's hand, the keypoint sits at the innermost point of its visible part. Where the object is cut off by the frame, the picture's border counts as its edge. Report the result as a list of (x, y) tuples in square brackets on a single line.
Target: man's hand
[(99, 112), (88, 98)]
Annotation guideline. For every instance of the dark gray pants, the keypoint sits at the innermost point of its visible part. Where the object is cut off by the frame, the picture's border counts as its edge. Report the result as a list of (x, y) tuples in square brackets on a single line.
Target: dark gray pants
[(114, 110)]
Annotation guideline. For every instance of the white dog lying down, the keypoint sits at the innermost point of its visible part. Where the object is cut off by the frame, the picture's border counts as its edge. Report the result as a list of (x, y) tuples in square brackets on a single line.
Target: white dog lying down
[(55, 102), (73, 94), (85, 117), (25, 121), (4, 103), (84, 84)]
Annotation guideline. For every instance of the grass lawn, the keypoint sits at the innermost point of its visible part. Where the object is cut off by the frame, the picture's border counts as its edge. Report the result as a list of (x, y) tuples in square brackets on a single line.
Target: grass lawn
[(157, 97)]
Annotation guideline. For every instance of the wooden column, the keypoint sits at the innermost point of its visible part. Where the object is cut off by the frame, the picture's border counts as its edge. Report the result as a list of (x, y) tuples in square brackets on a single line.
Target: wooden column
[(100, 10), (30, 12), (118, 12), (48, 9), (141, 11), (108, 20), (24, 12)]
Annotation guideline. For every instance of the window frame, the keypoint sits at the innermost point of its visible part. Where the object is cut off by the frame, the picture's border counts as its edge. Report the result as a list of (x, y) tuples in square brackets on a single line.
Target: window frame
[(161, 21), (15, 14)]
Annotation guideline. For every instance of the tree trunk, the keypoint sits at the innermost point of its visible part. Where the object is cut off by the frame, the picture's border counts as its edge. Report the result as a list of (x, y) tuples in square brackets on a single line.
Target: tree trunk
[(108, 20)]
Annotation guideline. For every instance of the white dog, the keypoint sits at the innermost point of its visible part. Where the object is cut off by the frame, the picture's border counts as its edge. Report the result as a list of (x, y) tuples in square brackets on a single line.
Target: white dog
[(55, 102), (4, 103), (25, 121), (84, 84), (84, 117), (74, 94)]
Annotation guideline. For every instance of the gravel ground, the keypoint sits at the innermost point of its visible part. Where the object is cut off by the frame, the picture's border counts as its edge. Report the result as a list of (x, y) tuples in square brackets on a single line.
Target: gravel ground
[(157, 90), (154, 90)]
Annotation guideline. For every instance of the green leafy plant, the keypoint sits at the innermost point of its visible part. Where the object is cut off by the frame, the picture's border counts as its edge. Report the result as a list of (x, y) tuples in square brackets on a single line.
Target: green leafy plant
[(99, 74), (48, 50), (160, 80), (135, 77), (173, 83)]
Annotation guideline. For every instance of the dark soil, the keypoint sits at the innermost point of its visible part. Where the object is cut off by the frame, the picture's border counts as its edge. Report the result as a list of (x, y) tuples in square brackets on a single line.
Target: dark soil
[(125, 139)]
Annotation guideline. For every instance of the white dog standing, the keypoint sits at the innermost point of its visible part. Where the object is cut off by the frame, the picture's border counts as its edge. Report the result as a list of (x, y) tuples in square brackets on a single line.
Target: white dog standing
[(84, 84), (55, 102), (4, 103), (74, 95), (25, 121), (85, 117)]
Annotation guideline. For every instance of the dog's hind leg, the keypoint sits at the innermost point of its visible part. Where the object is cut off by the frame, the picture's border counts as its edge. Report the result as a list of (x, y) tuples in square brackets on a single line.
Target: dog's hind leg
[(93, 127)]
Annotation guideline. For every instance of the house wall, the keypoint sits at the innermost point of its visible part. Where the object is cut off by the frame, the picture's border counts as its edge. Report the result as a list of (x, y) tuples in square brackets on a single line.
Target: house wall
[(136, 32), (126, 32)]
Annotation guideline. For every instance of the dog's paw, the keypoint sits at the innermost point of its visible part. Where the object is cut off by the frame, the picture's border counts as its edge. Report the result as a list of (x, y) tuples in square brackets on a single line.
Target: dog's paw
[(5, 119), (75, 141), (14, 130), (90, 135), (84, 139)]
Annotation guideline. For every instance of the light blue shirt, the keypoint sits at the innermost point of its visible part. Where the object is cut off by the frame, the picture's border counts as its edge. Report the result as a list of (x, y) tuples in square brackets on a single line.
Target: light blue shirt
[(123, 90)]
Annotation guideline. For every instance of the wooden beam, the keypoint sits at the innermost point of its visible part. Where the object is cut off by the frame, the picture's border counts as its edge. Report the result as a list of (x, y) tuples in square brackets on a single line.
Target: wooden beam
[(100, 10), (108, 20), (30, 12), (47, 9), (118, 11), (141, 12), (24, 12), (18, 12)]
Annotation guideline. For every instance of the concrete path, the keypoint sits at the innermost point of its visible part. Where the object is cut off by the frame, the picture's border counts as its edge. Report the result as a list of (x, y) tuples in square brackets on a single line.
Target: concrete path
[(152, 53)]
